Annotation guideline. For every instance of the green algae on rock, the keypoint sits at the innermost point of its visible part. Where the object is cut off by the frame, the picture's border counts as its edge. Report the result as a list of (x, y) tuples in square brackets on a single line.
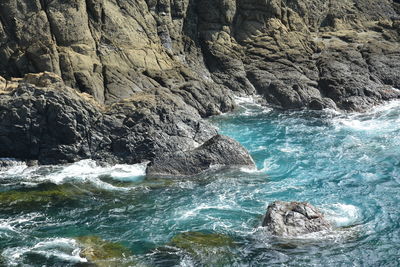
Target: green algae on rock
[(208, 249), (190, 240), (104, 253), (45, 194)]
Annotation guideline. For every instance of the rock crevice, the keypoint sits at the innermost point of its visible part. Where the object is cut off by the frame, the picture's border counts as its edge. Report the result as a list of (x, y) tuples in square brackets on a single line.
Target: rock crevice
[(114, 49)]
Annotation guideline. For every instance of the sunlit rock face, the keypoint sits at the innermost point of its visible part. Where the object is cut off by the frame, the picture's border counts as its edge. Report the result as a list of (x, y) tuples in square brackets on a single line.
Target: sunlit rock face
[(342, 54)]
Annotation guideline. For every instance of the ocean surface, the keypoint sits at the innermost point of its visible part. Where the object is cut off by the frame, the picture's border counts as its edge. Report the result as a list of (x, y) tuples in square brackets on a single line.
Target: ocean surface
[(347, 165)]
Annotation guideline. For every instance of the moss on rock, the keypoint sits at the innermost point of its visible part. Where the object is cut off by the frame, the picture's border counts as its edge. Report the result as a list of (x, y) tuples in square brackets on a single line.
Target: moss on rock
[(46, 193), (105, 253), (191, 240), (207, 249)]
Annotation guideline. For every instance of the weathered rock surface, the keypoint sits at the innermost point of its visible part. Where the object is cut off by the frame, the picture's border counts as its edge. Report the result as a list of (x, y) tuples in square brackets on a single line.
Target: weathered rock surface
[(159, 66), (56, 124), (290, 219), (219, 151), (110, 49), (299, 53)]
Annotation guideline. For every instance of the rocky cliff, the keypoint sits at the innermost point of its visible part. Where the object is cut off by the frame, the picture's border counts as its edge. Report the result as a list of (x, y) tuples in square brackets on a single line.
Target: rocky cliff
[(296, 53), (187, 59)]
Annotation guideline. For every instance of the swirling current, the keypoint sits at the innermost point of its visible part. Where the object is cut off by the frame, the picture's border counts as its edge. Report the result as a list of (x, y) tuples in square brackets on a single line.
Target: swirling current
[(347, 165)]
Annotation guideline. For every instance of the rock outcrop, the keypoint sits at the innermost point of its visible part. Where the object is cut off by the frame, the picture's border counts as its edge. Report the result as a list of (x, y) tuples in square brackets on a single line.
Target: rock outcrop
[(110, 49), (220, 151), (135, 78), (291, 219), (299, 53), (56, 124)]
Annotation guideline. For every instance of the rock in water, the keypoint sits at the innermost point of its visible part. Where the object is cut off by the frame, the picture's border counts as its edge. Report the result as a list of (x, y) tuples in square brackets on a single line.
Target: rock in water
[(101, 253), (291, 219), (219, 151)]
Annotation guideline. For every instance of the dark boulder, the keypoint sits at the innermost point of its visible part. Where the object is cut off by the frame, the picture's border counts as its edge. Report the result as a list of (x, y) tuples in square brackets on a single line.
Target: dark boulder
[(219, 151), (290, 219), (47, 121)]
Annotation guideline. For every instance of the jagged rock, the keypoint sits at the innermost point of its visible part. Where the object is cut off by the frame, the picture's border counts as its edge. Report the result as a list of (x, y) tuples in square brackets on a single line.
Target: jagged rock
[(177, 62), (3, 84), (290, 219), (109, 49), (219, 151), (290, 52), (56, 124)]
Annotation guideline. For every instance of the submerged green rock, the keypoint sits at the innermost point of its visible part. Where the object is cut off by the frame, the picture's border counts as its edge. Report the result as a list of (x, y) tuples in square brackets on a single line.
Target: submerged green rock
[(44, 194), (192, 240), (206, 249), (105, 253)]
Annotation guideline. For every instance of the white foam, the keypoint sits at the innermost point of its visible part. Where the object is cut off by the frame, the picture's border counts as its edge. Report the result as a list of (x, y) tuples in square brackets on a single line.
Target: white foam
[(379, 119), (342, 214), (62, 248), (88, 169), (251, 105), (185, 214), (82, 171), (16, 169), (16, 224), (249, 170), (239, 100)]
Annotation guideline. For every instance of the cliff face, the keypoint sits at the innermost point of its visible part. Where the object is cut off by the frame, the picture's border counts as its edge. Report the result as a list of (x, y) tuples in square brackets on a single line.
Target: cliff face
[(158, 66), (295, 53), (42, 119)]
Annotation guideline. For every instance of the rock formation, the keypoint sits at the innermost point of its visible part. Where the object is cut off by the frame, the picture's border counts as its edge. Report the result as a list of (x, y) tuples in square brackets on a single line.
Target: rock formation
[(219, 151), (155, 68), (55, 124), (297, 53), (290, 219)]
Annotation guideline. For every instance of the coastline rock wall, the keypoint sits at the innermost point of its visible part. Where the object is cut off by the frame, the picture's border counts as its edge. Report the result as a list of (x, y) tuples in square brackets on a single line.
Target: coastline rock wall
[(297, 54), (110, 49), (42, 119)]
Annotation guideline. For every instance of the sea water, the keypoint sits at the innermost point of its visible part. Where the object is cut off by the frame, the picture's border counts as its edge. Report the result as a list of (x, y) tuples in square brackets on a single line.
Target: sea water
[(347, 165)]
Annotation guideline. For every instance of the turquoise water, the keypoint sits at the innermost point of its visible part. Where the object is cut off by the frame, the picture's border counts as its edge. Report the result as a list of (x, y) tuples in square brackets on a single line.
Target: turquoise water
[(347, 165)]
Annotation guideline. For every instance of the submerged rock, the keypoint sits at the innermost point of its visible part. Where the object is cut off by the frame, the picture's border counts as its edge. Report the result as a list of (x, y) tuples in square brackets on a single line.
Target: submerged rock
[(192, 241), (290, 219), (219, 151), (206, 249), (45, 194), (104, 253)]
